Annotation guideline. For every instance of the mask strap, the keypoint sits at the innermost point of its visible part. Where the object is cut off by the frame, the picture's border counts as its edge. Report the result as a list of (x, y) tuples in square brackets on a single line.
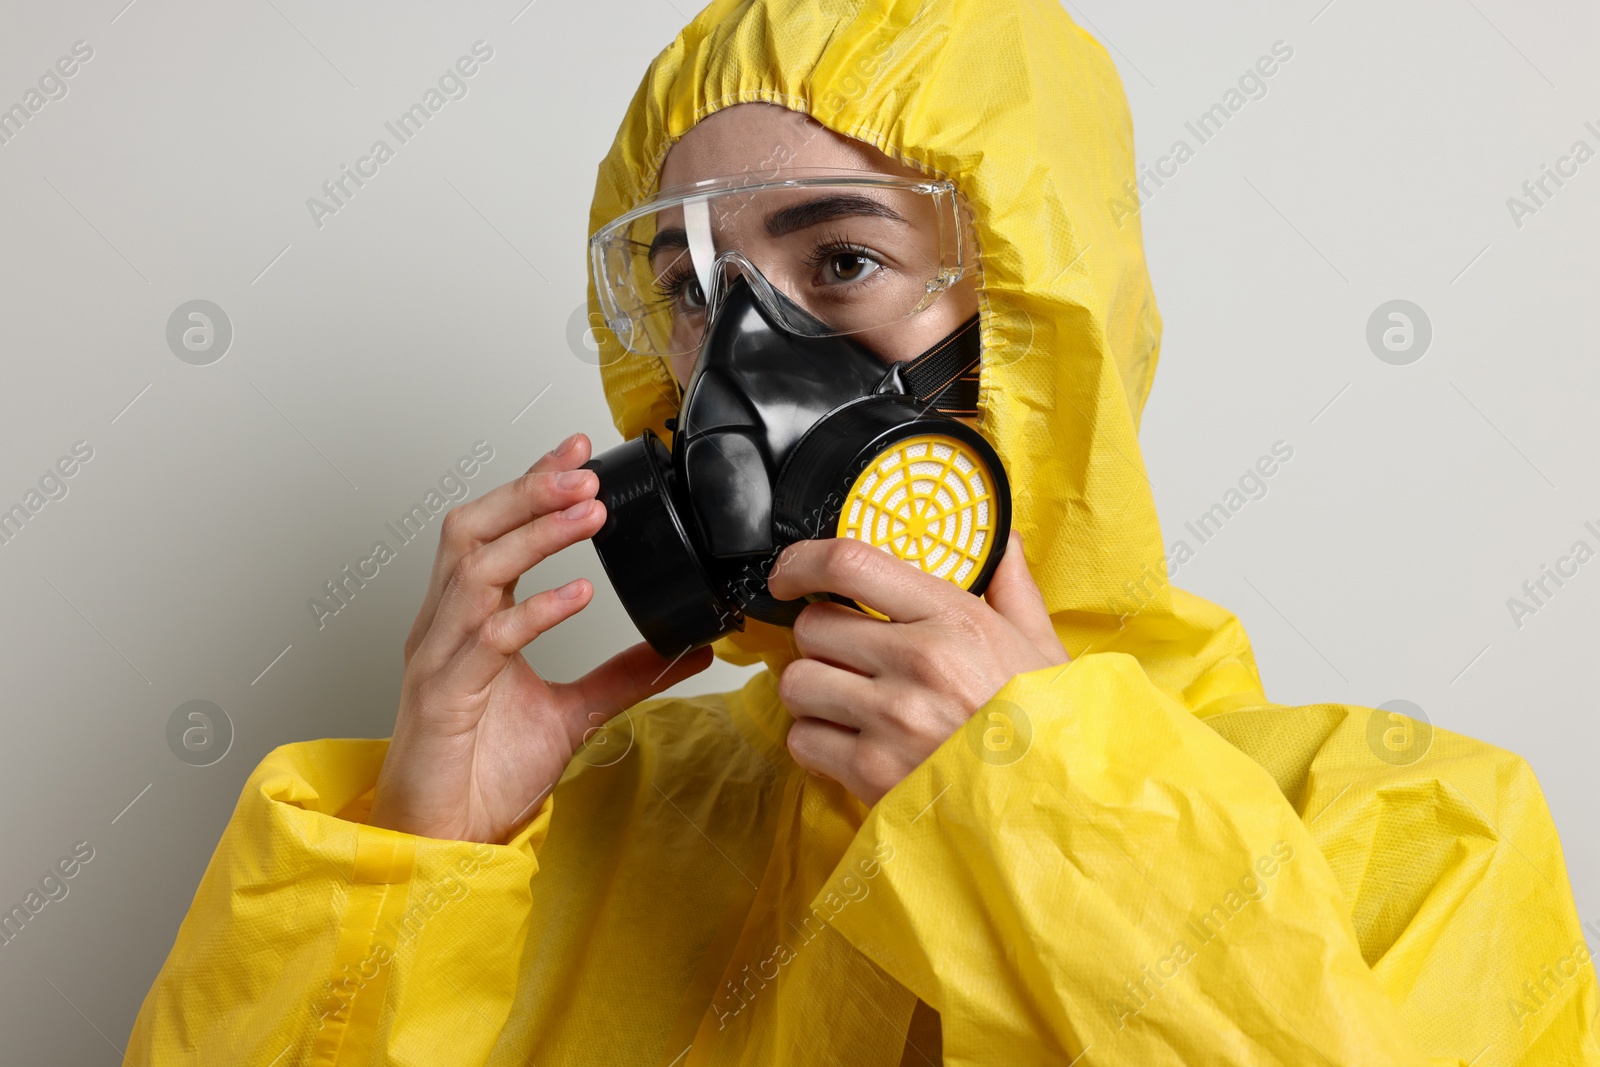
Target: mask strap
[(946, 375), (702, 251)]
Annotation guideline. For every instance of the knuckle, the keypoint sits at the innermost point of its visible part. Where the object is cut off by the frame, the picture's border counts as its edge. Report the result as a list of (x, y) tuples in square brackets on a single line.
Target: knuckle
[(533, 484), (453, 528), (850, 559), (805, 626), (470, 568), (953, 676), (965, 625), (798, 745), (792, 683), (926, 667), (852, 553), (783, 562), (905, 707), (879, 767), (495, 632), (425, 693)]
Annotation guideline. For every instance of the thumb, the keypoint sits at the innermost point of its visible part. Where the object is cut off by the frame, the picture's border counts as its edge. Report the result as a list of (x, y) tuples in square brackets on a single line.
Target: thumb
[(1015, 596), (632, 675)]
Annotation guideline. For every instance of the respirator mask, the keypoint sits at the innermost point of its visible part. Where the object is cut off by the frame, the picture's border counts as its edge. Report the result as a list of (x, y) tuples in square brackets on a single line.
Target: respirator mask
[(790, 427)]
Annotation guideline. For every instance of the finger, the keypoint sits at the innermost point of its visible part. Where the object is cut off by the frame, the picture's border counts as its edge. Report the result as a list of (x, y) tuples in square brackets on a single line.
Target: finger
[(480, 585), (502, 509), (550, 484), (510, 505), (811, 689), (1016, 597), (634, 674), (846, 638), (503, 634), (826, 749), (868, 575)]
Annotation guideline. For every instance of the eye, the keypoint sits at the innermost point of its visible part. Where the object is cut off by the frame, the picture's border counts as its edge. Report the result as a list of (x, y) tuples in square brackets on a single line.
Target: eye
[(842, 268), (681, 289), (688, 292)]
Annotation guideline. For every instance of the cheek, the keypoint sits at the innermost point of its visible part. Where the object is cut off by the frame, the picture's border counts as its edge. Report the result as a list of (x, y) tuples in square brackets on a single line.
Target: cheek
[(963, 297), (920, 332), (682, 366)]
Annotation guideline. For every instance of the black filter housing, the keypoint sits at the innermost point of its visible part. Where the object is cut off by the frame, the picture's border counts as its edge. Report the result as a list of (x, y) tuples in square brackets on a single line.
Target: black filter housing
[(813, 487), (670, 595)]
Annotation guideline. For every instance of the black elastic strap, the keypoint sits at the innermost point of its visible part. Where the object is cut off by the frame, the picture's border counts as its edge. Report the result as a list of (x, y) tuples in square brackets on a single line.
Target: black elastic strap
[(946, 375)]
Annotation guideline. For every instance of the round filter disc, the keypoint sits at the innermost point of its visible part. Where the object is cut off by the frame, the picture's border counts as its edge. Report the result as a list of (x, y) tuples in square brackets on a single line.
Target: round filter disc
[(928, 500)]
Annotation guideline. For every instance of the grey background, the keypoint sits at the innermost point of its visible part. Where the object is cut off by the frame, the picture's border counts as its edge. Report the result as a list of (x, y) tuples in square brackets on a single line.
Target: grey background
[(369, 354)]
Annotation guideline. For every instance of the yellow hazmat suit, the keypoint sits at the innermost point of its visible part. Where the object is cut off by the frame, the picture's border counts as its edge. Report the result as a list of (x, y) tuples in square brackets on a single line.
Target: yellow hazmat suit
[(1136, 859)]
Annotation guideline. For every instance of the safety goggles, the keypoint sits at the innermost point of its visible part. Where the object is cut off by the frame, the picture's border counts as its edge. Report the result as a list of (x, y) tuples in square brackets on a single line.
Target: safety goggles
[(850, 250)]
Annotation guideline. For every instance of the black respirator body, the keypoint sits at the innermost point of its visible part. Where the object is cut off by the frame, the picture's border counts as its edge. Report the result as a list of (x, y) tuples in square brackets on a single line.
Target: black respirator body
[(783, 437)]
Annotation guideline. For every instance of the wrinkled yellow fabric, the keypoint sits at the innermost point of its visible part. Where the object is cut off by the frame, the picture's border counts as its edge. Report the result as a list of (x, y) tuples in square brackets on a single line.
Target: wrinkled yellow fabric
[(1164, 867)]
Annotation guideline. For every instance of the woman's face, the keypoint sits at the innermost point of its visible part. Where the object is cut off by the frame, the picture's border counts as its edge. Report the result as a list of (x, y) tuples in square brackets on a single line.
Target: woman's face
[(765, 138)]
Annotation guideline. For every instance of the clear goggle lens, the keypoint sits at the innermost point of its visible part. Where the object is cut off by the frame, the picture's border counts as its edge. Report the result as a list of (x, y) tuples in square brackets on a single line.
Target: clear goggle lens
[(852, 250)]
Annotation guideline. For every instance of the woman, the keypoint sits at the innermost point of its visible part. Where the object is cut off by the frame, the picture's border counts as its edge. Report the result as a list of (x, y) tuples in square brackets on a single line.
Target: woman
[(838, 863)]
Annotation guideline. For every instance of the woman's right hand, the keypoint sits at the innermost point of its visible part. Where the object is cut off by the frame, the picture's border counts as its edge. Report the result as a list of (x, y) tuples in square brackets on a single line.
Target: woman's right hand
[(480, 737)]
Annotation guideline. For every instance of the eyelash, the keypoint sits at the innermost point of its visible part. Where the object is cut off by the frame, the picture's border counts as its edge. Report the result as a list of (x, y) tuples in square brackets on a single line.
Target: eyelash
[(835, 244), (670, 286)]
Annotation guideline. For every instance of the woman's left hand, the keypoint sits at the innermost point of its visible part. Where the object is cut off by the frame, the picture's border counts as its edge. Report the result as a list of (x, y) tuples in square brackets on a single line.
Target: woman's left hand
[(873, 699)]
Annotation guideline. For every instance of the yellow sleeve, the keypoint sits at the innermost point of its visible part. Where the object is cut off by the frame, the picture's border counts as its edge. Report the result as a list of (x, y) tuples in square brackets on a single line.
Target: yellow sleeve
[(1086, 867), (312, 935), (1457, 885)]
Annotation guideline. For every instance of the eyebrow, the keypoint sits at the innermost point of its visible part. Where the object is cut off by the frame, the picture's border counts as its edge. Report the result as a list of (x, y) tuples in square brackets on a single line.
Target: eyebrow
[(787, 220), (825, 209), (675, 238)]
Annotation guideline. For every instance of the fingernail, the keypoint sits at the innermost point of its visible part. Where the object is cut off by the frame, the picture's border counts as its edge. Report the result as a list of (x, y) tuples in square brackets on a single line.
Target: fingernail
[(565, 446), (572, 479), (579, 510), (571, 590)]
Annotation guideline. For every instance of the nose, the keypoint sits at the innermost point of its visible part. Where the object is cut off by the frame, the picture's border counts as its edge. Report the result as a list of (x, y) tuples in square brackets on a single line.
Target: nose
[(730, 293), (728, 270), (738, 290)]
